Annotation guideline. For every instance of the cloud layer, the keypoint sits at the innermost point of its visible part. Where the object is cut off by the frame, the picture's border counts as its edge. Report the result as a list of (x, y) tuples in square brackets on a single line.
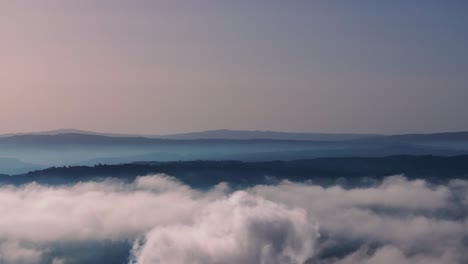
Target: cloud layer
[(238, 229), (395, 221)]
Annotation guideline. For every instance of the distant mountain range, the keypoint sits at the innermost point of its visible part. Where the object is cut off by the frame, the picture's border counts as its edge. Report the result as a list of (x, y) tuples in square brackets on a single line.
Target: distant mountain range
[(226, 134), (245, 135), (214, 134), (24, 152), (205, 174), (259, 134), (15, 166)]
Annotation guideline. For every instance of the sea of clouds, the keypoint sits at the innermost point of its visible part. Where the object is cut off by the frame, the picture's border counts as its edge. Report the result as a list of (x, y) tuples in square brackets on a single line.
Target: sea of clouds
[(394, 221)]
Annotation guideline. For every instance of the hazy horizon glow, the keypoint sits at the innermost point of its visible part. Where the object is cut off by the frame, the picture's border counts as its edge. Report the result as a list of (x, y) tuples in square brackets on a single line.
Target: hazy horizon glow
[(156, 67)]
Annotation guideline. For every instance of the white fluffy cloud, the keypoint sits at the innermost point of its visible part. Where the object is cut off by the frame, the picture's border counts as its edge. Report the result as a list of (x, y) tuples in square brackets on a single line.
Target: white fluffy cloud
[(411, 218), (239, 229), (397, 221), (106, 210), (12, 252)]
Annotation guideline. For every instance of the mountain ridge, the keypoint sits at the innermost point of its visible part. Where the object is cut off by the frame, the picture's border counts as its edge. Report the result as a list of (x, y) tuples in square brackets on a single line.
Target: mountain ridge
[(209, 173), (227, 134)]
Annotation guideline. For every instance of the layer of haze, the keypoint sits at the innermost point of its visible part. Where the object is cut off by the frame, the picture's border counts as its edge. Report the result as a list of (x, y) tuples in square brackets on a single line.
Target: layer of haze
[(396, 221), (178, 66)]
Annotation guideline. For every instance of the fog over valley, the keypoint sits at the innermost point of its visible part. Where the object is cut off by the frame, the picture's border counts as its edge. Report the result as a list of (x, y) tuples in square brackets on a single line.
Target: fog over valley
[(233, 132), (407, 221)]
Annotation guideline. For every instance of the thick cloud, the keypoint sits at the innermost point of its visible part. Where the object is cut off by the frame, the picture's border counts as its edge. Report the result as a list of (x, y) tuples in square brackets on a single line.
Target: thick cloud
[(12, 252), (106, 210), (399, 218), (396, 221), (239, 229)]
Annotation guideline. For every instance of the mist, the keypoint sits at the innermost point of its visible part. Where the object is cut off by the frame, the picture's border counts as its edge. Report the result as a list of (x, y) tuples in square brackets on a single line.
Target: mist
[(157, 219)]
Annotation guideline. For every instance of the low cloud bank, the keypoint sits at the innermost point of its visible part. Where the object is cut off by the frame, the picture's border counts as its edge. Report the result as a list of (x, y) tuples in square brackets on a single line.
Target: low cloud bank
[(396, 221), (240, 228)]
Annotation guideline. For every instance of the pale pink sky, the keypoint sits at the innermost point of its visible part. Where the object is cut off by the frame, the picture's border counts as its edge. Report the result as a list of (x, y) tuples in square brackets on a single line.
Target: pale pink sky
[(168, 66)]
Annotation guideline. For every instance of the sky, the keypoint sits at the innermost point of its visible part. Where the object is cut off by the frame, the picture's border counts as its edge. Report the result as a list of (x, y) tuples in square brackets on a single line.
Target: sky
[(157, 67)]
